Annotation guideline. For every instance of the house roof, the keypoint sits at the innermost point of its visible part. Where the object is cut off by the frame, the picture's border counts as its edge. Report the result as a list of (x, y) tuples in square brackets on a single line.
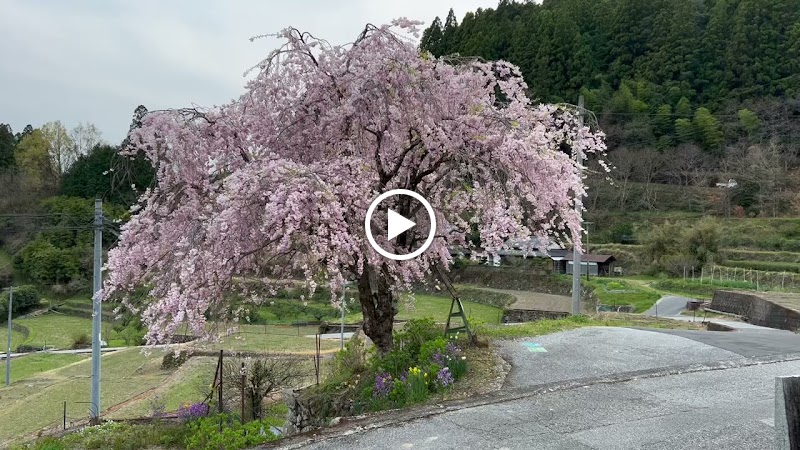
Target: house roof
[(592, 258), (599, 259)]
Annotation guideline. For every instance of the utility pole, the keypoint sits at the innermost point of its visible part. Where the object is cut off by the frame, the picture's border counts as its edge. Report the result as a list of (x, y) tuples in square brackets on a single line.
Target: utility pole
[(96, 311), (341, 330), (576, 254), (8, 347)]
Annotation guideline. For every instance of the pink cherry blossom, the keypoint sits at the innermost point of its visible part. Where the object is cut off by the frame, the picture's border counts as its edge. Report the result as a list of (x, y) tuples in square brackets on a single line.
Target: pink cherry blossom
[(275, 184)]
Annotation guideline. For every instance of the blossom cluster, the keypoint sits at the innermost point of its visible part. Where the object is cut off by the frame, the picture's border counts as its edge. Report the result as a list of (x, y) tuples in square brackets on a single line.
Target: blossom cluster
[(278, 181)]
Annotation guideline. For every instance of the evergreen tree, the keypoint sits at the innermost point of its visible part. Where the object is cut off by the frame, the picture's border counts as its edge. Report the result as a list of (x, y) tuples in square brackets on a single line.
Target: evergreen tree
[(432, 38), (709, 132), (7, 145)]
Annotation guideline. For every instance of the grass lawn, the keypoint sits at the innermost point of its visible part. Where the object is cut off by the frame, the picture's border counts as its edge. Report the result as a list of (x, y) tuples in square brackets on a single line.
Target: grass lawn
[(548, 326), (189, 383), (618, 291), (438, 307), (29, 365), (54, 330), (273, 338), (38, 401)]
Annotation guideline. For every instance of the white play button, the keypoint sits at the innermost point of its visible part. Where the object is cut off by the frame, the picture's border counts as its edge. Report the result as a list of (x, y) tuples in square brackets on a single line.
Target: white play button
[(398, 224)]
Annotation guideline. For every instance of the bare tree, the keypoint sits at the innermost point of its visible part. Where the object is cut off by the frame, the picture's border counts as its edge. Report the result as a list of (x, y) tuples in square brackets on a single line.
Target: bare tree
[(85, 137), (62, 149), (647, 163), (684, 164), (263, 376), (624, 164)]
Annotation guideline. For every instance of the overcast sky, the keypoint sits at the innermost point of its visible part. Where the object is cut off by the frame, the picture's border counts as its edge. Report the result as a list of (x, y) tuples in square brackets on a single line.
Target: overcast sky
[(96, 60)]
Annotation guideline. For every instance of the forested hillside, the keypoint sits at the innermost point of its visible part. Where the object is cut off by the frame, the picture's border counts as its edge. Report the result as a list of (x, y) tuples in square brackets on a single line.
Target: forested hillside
[(689, 92), (49, 178)]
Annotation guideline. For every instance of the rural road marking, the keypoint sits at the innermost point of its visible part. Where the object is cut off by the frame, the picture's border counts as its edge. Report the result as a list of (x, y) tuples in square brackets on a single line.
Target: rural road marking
[(534, 347)]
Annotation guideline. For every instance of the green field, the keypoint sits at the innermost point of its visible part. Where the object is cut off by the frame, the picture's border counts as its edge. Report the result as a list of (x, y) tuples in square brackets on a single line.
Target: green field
[(29, 365), (548, 326), (272, 338), (623, 291), (52, 330), (438, 307), (39, 401)]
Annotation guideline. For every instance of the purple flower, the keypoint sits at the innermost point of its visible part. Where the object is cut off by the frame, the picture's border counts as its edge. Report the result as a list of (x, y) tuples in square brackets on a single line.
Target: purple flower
[(444, 378), (383, 385), (439, 359), (192, 411), (452, 350)]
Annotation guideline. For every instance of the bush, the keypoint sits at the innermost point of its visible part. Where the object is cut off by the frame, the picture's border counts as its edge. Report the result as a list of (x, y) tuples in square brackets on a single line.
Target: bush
[(204, 433), (173, 361), (133, 335), (25, 299), (81, 340), (415, 368), (415, 333)]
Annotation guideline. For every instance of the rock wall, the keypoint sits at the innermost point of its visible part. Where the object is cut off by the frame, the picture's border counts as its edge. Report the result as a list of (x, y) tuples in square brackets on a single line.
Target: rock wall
[(756, 309), (308, 410), (530, 315)]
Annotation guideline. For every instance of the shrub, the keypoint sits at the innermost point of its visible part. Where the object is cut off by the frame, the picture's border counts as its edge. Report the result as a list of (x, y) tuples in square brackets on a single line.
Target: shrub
[(133, 335), (353, 359), (415, 333), (25, 299), (81, 340), (204, 433), (173, 361)]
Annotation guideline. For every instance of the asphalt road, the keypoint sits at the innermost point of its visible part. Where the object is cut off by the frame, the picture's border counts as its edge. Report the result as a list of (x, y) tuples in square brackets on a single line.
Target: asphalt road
[(596, 351), (669, 305), (631, 390), (730, 409)]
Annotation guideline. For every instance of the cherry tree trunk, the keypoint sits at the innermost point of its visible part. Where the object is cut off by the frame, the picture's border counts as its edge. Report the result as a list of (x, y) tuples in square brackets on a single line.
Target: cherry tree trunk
[(377, 308)]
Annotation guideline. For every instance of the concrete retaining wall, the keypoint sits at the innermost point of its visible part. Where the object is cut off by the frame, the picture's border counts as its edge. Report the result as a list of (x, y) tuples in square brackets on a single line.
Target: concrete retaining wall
[(756, 309)]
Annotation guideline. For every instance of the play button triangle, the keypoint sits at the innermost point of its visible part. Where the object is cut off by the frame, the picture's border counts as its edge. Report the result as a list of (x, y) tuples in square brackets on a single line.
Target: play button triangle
[(398, 224)]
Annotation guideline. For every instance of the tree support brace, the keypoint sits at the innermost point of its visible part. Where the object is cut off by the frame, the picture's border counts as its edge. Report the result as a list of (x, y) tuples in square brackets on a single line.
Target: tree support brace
[(456, 309)]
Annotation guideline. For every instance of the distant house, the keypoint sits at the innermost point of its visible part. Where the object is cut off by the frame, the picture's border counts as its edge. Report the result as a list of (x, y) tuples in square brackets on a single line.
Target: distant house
[(598, 265), (729, 185)]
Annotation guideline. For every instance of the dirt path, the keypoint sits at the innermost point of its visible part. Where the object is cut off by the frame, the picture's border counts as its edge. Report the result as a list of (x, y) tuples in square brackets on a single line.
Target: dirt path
[(536, 300)]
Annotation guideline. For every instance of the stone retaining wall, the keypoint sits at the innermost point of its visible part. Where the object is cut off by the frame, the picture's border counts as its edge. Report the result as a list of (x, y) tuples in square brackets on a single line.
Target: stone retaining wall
[(307, 411), (530, 315), (756, 309)]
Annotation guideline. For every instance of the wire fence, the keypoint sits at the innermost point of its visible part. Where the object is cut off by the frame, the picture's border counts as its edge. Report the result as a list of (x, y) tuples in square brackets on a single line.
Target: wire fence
[(736, 277)]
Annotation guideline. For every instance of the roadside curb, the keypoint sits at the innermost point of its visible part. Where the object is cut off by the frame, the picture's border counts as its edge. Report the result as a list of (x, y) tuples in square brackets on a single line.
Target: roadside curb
[(359, 424)]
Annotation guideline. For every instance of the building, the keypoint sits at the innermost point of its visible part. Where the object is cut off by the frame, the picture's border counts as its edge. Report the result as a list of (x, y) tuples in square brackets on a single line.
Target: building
[(598, 265)]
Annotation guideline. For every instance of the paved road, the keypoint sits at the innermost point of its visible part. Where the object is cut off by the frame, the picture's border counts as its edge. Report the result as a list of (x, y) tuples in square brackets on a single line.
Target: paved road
[(631, 388), (671, 307), (748, 342), (595, 351), (730, 409)]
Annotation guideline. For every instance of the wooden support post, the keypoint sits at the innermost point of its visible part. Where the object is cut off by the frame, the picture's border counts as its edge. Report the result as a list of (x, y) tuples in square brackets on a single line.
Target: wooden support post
[(242, 373), (787, 413), (219, 365)]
